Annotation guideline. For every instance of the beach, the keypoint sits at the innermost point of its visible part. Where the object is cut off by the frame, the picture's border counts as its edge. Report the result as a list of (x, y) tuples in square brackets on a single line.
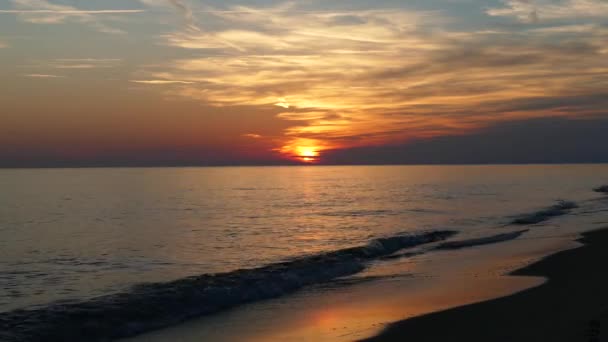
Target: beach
[(303, 171), (571, 306), (327, 254)]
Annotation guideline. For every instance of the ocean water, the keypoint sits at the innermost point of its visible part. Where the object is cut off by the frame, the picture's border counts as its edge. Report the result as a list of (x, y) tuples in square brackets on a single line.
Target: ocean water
[(89, 238)]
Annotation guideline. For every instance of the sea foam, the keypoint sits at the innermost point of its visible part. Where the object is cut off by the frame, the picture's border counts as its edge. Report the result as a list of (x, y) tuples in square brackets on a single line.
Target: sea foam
[(558, 209), (481, 241)]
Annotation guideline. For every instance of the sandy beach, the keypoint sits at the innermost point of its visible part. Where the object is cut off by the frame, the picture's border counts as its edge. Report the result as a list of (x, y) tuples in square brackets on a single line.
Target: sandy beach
[(571, 306), (450, 279), (303, 171)]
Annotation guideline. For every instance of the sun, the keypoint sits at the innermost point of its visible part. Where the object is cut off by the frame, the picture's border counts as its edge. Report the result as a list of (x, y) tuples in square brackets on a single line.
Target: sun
[(307, 154), (303, 150)]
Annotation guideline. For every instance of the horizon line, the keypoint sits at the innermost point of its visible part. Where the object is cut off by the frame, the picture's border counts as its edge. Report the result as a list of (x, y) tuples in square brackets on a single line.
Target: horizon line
[(122, 166)]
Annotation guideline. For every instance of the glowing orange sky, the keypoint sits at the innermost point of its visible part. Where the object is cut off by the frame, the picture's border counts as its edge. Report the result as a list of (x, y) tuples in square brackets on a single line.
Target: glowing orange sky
[(277, 80)]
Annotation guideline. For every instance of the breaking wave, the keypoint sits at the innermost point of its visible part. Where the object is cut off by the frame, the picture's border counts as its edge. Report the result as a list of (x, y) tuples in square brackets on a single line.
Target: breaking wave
[(153, 306), (481, 241), (558, 209), (602, 189), (156, 305)]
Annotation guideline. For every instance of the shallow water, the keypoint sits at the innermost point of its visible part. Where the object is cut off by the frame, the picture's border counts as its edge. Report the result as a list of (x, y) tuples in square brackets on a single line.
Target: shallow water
[(73, 234)]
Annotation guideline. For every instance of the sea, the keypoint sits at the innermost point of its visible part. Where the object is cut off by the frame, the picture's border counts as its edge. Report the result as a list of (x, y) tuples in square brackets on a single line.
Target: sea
[(140, 249)]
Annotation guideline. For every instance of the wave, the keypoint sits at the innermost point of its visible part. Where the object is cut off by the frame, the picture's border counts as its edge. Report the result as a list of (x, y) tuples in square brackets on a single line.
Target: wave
[(558, 209), (603, 189), (358, 213), (481, 241), (402, 255), (355, 280), (153, 306)]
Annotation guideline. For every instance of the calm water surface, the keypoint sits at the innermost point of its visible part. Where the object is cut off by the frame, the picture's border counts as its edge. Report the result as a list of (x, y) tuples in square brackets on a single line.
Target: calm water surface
[(70, 234)]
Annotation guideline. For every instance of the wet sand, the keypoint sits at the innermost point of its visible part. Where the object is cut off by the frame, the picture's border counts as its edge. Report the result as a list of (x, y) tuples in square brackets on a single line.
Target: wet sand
[(571, 306), (330, 313)]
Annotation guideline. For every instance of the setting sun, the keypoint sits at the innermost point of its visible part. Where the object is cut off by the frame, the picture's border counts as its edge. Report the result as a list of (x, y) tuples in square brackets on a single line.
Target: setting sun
[(307, 154), (303, 150), (231, 155)]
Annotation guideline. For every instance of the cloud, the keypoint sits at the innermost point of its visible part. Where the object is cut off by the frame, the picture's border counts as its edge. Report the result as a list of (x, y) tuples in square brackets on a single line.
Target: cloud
[(42, 67), (186, 12), (182, 8), (3, 45), (161, 82), (45, 12), (353, 78), (90, 60), (537, 10), (69, 12), (252, 136), (43, 76), (82, 63), (585, 28), (541, 140), (282, 102)]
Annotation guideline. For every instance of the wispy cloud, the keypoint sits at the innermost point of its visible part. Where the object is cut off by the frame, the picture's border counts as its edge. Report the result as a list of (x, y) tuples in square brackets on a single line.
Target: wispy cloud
[(161, 82), (347, 78), (540, 10), (182, 8), (186, 12), (586, 28), (84, 63), (45, 12), (343, 78), (43, 76), (70, 12), (71, 64)]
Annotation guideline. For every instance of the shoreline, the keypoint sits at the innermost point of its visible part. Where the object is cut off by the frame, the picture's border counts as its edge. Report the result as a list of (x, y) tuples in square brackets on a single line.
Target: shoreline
[(343, 314), (572, 305)]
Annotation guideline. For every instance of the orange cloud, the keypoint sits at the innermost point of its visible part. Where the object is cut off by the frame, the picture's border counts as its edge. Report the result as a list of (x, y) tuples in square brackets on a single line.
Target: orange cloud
[(356, 78)]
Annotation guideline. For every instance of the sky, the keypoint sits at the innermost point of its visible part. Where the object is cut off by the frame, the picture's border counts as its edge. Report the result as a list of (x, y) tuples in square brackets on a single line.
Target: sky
[(265, 82)]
